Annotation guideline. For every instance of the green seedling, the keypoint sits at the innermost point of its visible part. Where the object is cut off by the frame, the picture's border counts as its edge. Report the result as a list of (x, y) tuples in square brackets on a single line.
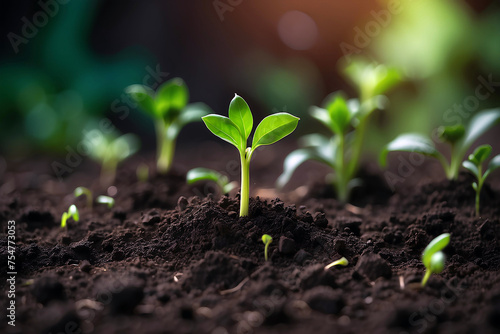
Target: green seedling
[(340, 262), (237, 128), (169, 108), (459, 137), (475, 166), (347, 120), (72, 213), (206, 174), (87, 192), (142, 172), (110, 150), (106, 200), (266, 239), (432, 257)]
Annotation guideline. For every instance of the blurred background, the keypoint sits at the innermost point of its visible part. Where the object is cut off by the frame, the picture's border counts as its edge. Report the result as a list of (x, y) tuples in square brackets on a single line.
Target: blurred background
[(65, 63)]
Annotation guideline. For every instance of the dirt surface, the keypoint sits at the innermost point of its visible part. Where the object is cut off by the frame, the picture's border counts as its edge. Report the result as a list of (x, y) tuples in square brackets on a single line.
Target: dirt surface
[(166, 261)]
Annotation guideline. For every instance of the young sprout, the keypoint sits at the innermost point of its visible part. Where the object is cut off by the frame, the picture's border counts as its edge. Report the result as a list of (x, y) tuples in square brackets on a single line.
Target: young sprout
[(106, 200), (72, 213), (340, 262), (432, 257), (205, 174), (475, 166), (169, 108), (142, 172), (459, 138), (110, 150), (266, 239), (237, 128), (348, 121), (84, 191)]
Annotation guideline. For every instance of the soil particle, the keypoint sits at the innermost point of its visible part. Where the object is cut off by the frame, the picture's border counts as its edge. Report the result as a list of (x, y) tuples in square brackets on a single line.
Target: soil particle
[(287, 246), (325, 300), (316, 275), (47, 289), (372, 266)]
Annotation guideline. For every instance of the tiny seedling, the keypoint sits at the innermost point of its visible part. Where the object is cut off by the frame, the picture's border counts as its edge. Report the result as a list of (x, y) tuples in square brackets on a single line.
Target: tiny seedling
[(169, 108), (475, 166), (237, 128), (72, 213), (206, 174), (432, 257), (87, 192), (340, 262), (459, 138), (106, 200), (347, 120), (266, 239), (110, 150)]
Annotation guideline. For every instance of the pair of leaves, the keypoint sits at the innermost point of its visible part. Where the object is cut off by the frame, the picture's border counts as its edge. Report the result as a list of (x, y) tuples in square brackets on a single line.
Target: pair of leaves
[(477, 158), (478, 125), (432, 257), (109, 148), (237, 128), (166, 103), (71, 213), (205, 174), (370, 78), (336, 115)]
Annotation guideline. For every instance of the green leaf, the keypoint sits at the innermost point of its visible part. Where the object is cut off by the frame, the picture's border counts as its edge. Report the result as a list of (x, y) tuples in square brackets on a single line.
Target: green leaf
[(340, 115), (273, 128), (79, 191), (471, 167), (452, 133), (267, 239), (294, 160), (437, 261), (143, 96), (436, 245), (323, 116), (410, 142), (73, 213), (480, 154), (171, 97), (225, 129), (385, 78), (124, 146), (193, 112), (474, 186), (240, 114), (202, 174), (494, 164), (478, 125), (106, 200)]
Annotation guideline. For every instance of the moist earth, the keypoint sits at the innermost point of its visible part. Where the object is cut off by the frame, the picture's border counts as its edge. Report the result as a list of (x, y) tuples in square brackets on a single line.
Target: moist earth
[(164, 260)]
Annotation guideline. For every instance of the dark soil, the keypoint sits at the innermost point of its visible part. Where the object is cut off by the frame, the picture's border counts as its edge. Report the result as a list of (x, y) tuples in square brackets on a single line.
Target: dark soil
[(166, 261)]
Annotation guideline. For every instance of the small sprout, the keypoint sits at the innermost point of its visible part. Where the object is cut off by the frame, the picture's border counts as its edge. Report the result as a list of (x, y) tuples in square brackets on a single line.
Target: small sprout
[(72, 213), (236, 129), (475, 166), (106, 200), (169, 108), (266, 239), (459, 138), (432, 257), (205, 174), (340, 262), (110, 150), (347, 120), (142, 172), (84, 191)]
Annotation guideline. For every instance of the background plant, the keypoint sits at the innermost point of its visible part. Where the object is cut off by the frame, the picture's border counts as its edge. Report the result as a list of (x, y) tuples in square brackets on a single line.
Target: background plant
[(169, 108), (266, 239), (205, 174), (109, 150), (79, 191), (109, 201), (475, 165), (348, 121), (236, 130), (459, 137)]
